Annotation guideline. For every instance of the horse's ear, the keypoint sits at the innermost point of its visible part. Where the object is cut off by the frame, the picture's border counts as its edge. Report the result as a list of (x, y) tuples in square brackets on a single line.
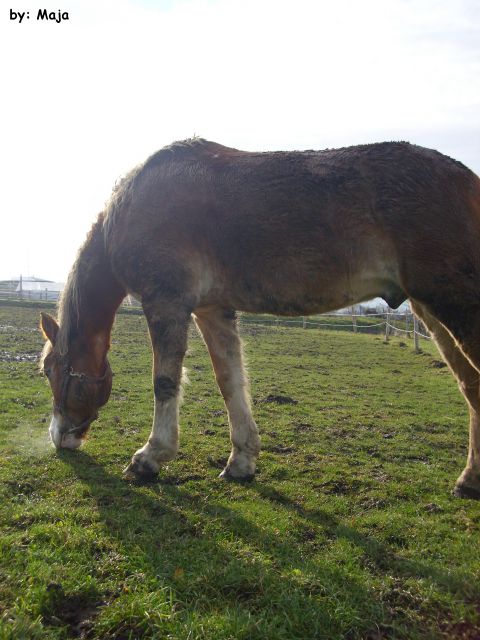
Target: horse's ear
[(49, 327)]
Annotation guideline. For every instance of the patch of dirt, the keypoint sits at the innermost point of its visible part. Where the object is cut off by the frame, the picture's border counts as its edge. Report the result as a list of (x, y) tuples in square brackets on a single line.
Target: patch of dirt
[(377, 634), (218, 463), (7, 356), (176, 481), (276, 448), (438, 364), (303, 426), (272, 434), (19, 487), (338, 487), (432, 507), (277, 399), (70, 609), (372, 503), (306, 534), (462, 631)]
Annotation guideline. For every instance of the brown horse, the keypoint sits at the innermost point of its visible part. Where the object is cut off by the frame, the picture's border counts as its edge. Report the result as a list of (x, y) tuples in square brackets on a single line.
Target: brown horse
[(203, 229)]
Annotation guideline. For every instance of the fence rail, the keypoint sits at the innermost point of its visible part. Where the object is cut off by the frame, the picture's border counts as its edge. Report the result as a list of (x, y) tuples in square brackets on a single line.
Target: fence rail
[(38, 295), (49, 295), (388, 322)]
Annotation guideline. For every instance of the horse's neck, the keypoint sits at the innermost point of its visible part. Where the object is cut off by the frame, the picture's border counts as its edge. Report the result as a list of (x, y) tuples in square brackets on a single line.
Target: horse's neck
[(92, 297)]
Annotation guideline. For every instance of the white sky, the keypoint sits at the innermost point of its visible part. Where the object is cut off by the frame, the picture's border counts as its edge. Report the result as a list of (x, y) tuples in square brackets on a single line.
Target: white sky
[(85, 100)]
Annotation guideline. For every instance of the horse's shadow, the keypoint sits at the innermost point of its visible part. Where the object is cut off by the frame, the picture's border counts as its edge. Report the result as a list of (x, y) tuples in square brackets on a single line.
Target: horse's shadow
[(169, 498)]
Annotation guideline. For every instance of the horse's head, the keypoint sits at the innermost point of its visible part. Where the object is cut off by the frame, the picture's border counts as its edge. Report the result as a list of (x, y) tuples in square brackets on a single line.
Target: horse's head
[(77, 387)]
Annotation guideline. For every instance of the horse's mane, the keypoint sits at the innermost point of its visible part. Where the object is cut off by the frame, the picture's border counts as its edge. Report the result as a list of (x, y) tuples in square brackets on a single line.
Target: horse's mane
[(71, 298), (176, 150)]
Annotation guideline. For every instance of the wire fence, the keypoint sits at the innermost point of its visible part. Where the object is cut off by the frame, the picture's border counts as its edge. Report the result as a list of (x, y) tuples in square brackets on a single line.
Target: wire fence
[(45, 295), (387, 321)]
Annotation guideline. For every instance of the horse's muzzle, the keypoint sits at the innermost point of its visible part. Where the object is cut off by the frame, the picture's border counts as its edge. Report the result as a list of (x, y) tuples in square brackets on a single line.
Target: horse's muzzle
[(65, 436)]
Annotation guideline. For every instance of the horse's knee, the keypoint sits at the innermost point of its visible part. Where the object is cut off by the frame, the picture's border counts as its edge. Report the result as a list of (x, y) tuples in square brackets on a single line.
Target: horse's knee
[(165, 388)]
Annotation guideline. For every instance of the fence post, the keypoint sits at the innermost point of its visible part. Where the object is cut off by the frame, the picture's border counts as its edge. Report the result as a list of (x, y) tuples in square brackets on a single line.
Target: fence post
[(354, 322), (415, 334), (387, 328), (407, 317), (304, 322)]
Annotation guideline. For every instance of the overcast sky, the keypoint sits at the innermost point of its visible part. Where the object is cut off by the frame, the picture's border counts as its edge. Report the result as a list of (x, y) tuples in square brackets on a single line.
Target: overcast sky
[(86, 99)]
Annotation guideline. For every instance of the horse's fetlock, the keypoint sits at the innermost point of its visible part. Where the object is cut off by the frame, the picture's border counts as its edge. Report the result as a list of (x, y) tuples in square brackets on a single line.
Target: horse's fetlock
[(165, 454), (468, 484), (246, 441)]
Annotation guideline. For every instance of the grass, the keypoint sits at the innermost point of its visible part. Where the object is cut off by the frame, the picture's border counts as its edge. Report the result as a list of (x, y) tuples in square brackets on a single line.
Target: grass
[(349, 530)]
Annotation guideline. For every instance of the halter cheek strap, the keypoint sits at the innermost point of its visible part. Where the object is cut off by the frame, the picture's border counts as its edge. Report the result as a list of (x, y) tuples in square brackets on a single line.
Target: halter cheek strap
[(69, 373)]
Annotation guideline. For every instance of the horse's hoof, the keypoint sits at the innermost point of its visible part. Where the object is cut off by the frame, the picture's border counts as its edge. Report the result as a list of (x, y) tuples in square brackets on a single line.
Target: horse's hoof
[(141, 471), (228, 475), (464, 491)]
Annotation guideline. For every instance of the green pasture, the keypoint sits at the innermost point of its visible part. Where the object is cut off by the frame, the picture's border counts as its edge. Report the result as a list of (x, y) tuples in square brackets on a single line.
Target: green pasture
[(349, 530)]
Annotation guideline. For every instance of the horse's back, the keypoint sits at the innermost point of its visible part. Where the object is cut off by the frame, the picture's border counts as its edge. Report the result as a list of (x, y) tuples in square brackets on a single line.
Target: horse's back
[(281, 226), (196, 180)]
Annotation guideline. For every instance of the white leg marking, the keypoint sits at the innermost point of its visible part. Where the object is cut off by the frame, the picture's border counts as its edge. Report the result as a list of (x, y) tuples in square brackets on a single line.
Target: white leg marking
[(225, 348), (163, 440), (243, 433), (162, 444)]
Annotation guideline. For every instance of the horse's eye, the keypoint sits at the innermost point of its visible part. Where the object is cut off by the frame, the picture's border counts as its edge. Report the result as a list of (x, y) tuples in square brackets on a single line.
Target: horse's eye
[(47, 372)]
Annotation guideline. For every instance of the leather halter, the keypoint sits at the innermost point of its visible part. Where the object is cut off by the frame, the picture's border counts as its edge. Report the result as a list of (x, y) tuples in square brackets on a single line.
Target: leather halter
[(82, 377)]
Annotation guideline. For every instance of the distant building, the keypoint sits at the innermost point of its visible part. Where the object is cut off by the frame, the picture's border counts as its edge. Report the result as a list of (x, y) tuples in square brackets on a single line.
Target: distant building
[(32, 288), (372, 307)]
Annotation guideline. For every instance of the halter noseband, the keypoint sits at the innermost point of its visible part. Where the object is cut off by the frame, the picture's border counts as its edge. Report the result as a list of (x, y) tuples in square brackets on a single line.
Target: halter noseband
[(82, 377)]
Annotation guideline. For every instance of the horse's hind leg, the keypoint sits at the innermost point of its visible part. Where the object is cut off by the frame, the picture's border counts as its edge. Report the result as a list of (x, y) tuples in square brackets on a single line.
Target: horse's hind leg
[(468, 484), (219, 330), (168, 326)]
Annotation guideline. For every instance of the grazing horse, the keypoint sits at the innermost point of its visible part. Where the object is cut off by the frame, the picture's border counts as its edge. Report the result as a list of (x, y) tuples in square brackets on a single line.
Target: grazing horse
[(205, 230)]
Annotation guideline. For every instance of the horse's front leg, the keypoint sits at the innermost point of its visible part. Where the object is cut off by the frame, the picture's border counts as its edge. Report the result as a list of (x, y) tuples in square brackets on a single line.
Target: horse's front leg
[(220, 332), (168, 334)]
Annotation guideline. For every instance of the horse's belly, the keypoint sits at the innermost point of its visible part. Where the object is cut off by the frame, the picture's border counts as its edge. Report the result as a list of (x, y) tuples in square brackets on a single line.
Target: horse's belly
[(330, 287)]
